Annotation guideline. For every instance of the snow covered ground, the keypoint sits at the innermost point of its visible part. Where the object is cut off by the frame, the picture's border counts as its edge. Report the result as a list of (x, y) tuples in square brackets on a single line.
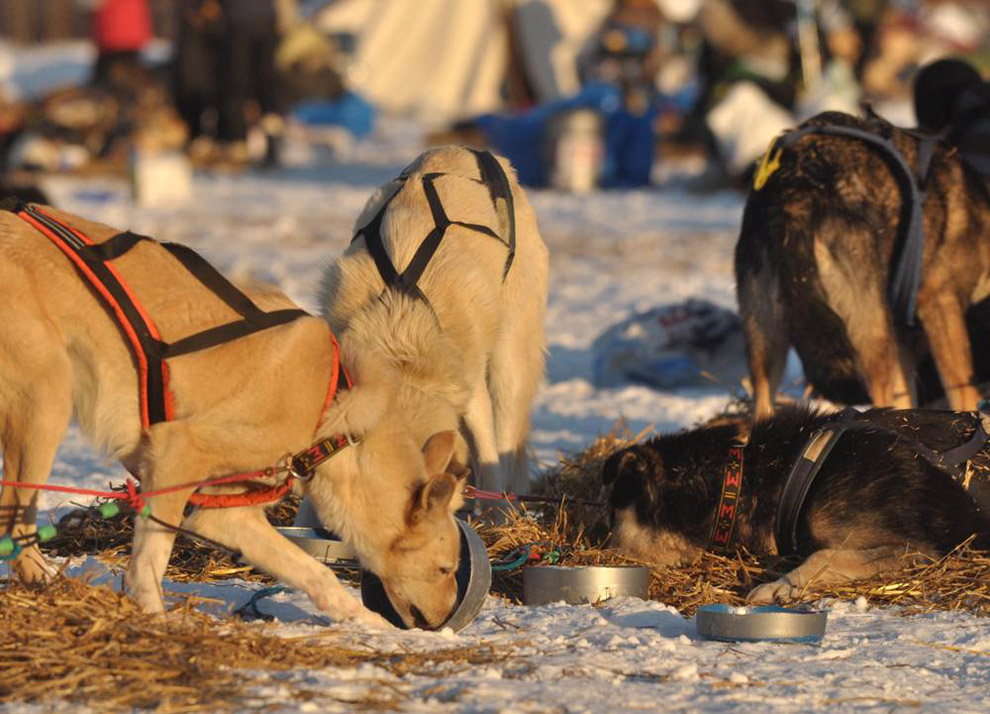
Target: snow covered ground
[(612, 254)]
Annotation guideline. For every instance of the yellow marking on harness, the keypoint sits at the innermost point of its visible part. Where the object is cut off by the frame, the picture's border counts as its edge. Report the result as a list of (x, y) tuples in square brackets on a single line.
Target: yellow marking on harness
[(769, 162)]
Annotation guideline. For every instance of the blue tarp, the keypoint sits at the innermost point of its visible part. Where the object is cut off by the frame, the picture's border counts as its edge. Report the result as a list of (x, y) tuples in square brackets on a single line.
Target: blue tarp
[(628, 149), (349, 111)]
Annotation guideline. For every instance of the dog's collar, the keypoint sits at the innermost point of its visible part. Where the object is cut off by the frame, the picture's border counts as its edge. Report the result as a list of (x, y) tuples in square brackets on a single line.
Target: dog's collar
[(725, 514), (304, 464)]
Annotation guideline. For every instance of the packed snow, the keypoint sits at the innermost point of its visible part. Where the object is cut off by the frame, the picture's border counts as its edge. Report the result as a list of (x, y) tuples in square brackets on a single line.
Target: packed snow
[(612, 254)]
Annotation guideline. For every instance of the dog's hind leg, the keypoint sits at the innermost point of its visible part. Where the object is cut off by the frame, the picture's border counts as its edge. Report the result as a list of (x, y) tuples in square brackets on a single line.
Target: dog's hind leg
[(513, 377), (863, 309), (828, 566), (248, 531), (944, 321), (766, 342), (480, 421), (35, 408)]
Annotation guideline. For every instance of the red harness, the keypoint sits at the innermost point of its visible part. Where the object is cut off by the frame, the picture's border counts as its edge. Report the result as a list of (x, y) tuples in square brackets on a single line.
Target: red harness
[(157, 402)]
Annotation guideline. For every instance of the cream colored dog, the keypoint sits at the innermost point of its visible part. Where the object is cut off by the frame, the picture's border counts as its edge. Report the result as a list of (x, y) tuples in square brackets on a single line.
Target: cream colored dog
[(244, 404), (469, 350)]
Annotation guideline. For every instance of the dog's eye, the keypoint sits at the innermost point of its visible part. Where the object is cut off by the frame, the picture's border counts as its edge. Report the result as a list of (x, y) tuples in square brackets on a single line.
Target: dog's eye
[(446, 571)]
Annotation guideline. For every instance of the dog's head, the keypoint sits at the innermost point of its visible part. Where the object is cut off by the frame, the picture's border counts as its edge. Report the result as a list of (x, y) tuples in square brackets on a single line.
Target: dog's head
[(394, 502), (419, 566), (642, 521)]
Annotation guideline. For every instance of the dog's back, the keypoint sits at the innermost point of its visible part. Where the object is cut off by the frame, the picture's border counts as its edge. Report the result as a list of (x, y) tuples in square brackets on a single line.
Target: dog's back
[(465, 281)]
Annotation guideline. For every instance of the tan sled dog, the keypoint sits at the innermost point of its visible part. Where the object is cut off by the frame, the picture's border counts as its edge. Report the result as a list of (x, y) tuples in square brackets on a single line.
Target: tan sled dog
[(238, 406), (465, 334)]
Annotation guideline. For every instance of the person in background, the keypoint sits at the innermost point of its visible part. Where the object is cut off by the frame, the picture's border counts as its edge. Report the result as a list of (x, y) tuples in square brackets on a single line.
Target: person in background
[(120, 30), (246, 77), (194, 77), (951, 98), (625, 53)]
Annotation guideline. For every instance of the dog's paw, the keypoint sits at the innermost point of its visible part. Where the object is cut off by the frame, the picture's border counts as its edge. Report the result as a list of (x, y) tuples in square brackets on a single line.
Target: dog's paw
[(33, 570), (350, 609), (778, 591), (371, 620)]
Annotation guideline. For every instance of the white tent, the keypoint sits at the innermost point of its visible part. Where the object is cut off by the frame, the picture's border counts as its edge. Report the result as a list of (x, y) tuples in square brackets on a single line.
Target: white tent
[(442, 59)]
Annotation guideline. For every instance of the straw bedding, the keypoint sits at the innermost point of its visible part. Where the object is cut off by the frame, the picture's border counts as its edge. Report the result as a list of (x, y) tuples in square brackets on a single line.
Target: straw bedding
[(88, 644), (73, 641)]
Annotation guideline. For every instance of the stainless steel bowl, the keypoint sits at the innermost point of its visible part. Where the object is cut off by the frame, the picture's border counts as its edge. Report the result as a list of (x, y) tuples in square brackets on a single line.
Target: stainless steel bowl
[(576, 585), (760, 623), (474, 579)]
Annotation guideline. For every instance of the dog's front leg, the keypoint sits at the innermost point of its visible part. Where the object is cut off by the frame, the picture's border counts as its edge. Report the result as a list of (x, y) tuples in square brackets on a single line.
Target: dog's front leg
[(829, 566), (152, 549), (945, 327), (247, 530)]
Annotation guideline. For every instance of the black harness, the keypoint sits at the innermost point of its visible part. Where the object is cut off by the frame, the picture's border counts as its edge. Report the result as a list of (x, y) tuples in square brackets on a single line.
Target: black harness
[(407, 282), (94, 263), (819, 446), (906, 262)]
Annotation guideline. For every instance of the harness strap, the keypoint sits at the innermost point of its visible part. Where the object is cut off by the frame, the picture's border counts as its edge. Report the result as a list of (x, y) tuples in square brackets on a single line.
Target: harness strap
[(216, 282), (112, 248), (428, 248), (149, 351), (140, 332), (728, 502), (816, 452), (500, 191), (492, 176), (906, 261), (799, 481), (228, 333), (954, 460)]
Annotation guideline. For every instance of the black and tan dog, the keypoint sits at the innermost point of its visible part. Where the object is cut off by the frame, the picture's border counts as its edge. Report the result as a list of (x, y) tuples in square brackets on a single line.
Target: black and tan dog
[(813, 266), (883, 490)]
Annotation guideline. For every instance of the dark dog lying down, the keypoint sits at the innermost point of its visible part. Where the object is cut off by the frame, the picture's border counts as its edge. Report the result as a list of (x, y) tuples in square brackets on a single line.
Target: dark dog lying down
[(875, 498)]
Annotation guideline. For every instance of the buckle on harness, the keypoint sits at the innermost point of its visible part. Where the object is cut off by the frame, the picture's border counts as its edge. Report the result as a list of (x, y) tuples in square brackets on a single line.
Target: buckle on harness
[(286, 464)]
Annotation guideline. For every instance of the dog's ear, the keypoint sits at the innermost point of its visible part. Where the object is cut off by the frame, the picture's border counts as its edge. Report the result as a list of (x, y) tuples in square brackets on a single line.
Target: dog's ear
[(438, 451), (432, 497), (633, 475), (622, 462), (447, 478)]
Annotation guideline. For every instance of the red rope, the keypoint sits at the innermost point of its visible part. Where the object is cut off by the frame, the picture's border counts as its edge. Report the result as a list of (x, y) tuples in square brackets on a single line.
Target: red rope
[(138, 499)]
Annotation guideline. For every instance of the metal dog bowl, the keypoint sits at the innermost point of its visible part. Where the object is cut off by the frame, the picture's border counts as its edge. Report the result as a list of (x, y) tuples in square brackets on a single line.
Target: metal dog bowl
[(576, 585), (319, 542), (474, 579), (726, 623)]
